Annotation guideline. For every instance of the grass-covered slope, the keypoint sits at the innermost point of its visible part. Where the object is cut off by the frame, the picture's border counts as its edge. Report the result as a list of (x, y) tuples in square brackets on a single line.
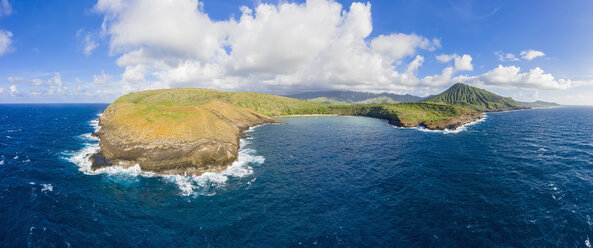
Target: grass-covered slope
[(465, 96), (266, 104)]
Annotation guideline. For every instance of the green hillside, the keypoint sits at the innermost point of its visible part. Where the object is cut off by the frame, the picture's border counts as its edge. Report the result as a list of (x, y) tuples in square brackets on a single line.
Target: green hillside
[(158, 104), (465, 96)]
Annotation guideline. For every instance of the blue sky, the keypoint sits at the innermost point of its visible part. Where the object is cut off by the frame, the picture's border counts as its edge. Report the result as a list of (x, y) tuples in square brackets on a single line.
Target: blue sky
[(95, 51)]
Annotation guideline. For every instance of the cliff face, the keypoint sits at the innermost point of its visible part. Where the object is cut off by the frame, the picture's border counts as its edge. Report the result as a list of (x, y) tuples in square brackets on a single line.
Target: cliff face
[(173, 139)]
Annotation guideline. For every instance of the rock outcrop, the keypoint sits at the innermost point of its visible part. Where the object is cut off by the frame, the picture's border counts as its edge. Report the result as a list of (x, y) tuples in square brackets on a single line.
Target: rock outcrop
[(164, 139)]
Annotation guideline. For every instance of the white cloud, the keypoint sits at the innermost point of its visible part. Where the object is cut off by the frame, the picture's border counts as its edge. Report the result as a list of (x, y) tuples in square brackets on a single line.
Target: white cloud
[(2, 90), (271, 48), (102, 79), (275, 48), (525, 55), (531, 54), (14, 91), (398, 46), (503, 57), (464, 63), (5, 8), (56, 86), (5, 41), (512, 77), (444, 58)]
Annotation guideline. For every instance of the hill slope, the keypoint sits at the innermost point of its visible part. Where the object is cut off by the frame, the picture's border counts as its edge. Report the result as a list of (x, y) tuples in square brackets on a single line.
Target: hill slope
[(465, 96), (349, 97)]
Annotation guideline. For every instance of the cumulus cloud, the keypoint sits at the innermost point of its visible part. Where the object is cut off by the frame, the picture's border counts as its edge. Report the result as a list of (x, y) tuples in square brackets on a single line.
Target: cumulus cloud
[(464, 63), (512, 77), (275, 48), (5, 8), (268, 48), (531, 54), (5, 41), (2, 90)]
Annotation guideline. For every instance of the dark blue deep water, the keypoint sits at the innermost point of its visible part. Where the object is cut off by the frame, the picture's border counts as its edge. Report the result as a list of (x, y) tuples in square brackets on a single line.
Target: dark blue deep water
[(517, 179)]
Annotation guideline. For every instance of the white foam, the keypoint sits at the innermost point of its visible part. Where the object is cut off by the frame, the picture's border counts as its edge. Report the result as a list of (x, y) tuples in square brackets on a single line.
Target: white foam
[(205, 184), (47, 187), (88, 136), (1, 162), (95, 124)]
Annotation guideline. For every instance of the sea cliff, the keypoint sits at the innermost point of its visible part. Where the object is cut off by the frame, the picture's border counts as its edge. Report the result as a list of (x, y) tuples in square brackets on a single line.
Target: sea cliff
[(173, 139)]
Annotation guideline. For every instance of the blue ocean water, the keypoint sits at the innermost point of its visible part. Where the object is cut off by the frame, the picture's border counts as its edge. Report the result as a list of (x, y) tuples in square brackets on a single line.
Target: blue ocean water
[(517, 179)]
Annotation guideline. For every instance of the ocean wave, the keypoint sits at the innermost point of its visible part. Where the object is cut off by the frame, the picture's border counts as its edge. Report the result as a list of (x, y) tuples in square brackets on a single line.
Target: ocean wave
[(206, 184)]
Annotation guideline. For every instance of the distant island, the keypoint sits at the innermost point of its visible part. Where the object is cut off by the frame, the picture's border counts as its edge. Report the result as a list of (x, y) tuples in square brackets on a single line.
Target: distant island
[(192, 131)]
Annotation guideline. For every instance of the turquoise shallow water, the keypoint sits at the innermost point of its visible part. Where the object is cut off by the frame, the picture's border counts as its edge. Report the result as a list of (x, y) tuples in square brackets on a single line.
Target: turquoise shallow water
[(517, 179)]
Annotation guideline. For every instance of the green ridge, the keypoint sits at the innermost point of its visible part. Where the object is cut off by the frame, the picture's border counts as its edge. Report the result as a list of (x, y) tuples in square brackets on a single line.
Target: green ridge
[(465, 96)]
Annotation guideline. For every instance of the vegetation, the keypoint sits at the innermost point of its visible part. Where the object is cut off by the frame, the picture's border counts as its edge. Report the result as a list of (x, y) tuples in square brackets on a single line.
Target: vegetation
[(155, 104), (465, 96)]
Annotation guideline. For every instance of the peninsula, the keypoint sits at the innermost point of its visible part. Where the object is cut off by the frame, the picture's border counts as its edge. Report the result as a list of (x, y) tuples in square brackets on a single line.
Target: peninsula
[(192, 131)]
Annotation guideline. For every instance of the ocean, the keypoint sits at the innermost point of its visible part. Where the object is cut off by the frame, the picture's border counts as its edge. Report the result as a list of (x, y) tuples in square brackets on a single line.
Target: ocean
[(515, 179)]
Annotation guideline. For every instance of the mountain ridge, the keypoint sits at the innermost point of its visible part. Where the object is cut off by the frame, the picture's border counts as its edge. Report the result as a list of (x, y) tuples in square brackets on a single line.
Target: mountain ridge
[(469, 97)]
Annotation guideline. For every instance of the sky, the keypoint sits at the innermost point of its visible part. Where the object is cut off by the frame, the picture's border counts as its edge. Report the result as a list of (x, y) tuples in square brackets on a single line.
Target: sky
[(98, 50)]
